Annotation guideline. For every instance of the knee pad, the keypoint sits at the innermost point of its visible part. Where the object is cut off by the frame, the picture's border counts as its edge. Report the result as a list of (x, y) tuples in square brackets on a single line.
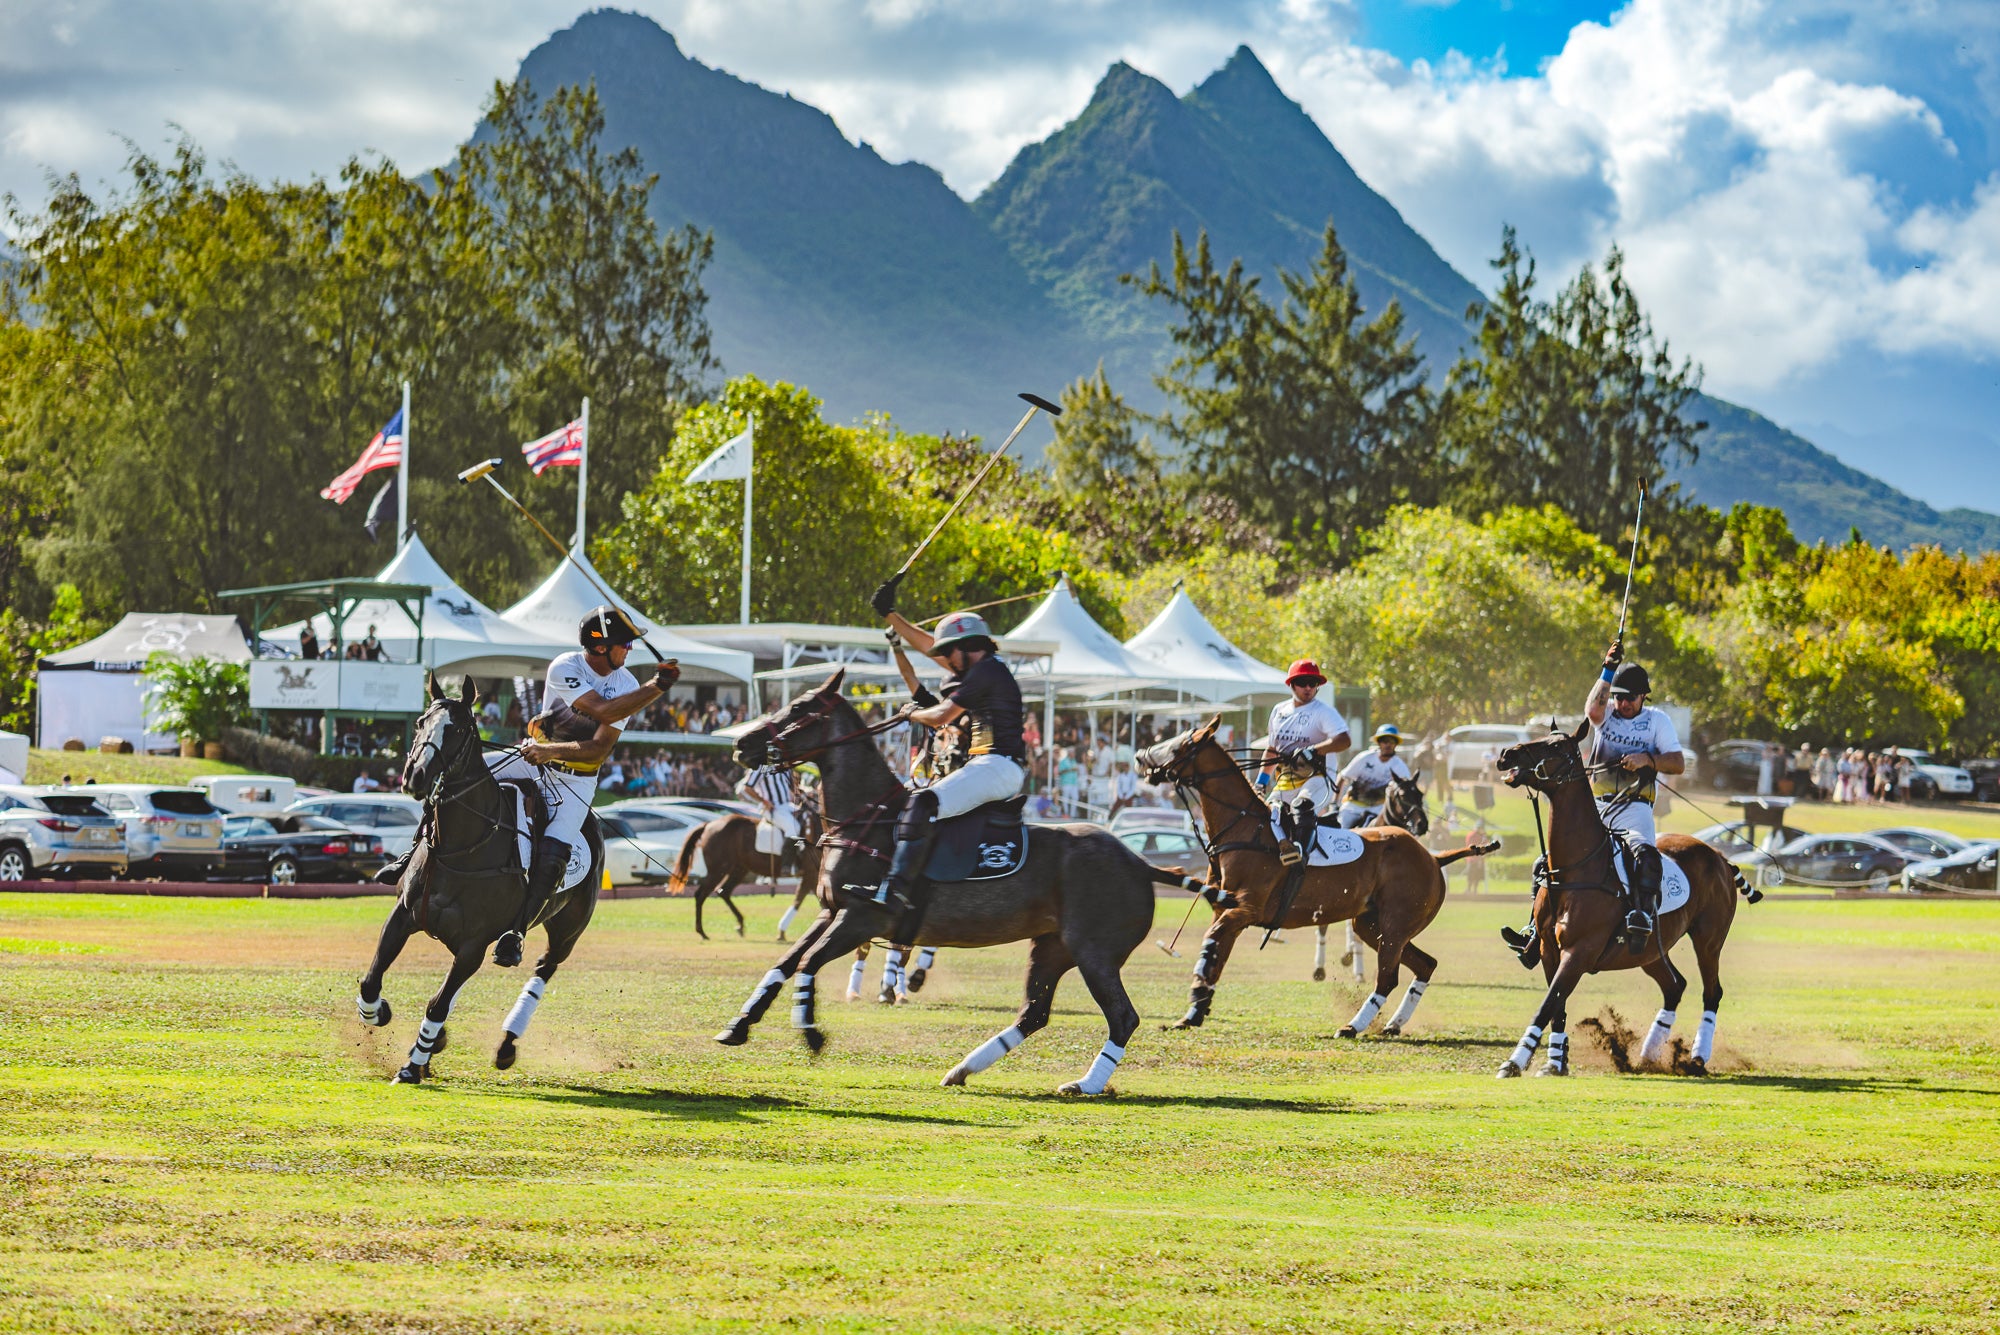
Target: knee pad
[(917, 814)]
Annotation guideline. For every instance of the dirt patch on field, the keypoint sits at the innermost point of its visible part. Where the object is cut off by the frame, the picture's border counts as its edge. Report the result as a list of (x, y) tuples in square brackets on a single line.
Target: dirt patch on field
[(1610, 1034)]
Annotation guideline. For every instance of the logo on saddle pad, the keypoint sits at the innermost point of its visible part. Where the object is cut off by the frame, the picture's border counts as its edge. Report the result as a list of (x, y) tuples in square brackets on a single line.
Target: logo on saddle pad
[(996, 857)]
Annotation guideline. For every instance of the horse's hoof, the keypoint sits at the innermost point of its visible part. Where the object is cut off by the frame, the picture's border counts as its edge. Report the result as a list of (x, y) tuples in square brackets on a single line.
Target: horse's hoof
[(1319, 975), (1074, 1089), (1508, 1070), (444, 1037), (1392, 1031), (1348, 1031), (781, 939), (1346, 958), (1550, 1068), (1695, 1066), (383, 1013), (739, 931), (887, 997), (411, 1074), (1191, 1020), (954, 1077), (815, 1040), (917, 979), (853, 995), (503, 1060), (735, 1036)]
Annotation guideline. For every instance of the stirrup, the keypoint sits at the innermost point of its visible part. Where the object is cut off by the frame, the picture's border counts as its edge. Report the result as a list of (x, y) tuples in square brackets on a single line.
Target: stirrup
[(1638, 927), (1288, 853), (889, 896)]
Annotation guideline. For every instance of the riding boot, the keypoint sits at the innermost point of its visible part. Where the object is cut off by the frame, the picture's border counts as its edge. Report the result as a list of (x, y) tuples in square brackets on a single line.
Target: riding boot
[(544, 879), (1524, 941), (1646, 872), (1289, 852), (393, 873), (1306, 829), (916, 831)]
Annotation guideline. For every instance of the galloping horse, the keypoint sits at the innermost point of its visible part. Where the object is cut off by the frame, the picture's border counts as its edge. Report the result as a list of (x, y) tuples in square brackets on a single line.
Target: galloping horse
[(1578, 913), (725, 850), (1403, 807), (1391, 893), (1082, 897), (465, 884)]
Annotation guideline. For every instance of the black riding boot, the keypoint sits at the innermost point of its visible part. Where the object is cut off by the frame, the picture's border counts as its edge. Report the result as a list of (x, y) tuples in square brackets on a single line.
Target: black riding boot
[(916, 831), (393, 873), (1524, 942), (1646, 872), (1290, 849), (544, 879)]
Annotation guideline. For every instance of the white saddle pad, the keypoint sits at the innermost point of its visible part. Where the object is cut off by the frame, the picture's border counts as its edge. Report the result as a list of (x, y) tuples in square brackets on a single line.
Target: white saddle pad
[(1674, 884), (579, 853), (769, 839), (1332, 846)]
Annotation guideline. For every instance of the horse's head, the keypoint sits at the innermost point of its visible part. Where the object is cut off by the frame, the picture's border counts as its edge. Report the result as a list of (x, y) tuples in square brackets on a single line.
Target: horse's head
[(445, 734), (1405, 805), (1173, 761), (1548, 764), (798, 731)]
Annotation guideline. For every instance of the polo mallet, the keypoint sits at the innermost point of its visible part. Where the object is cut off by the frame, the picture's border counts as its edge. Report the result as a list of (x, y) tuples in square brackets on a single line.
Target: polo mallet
[(1638, 522), (1178, 930), (484, 468), (1036, 404)]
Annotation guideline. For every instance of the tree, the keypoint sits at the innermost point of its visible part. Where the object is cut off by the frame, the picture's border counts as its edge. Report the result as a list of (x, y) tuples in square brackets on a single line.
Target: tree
[(1312, 419)]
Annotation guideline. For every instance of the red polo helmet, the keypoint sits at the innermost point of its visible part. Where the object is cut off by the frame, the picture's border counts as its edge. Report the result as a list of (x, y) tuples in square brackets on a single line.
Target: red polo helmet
[(1304, 670)]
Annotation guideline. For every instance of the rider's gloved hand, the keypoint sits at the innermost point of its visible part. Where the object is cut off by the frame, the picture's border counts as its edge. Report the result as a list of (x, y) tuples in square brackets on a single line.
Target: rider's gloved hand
[(884, 599), (1614, 655), (1304, 758), (666, 675)]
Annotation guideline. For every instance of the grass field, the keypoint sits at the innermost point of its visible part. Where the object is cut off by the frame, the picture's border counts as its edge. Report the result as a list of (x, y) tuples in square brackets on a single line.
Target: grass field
[(197, 1136), (81, 766)]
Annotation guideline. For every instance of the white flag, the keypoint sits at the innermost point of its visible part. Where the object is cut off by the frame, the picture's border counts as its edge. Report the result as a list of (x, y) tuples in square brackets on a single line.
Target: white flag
[(730, 462)]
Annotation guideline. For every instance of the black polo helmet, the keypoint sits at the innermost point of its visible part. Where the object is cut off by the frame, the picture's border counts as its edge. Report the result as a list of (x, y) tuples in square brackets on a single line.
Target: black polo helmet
[(605, 626), (1631, 679)]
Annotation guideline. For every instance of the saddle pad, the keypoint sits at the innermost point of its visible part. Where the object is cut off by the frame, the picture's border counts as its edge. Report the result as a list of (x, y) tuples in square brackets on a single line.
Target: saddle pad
[(579, 853), (1674, 884), (1332, 846), (986, 842), (769, 840)]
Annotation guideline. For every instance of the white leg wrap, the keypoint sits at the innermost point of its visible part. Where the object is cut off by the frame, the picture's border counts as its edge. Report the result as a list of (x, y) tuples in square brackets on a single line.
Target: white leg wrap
[(785, 923), (773, 981), (1559, 1050), (1369, 1010), (427, 1037), (1319, 952), (892, 971), (1411, 996), (1099, 1075), (992, 1050), (1657, 1036), (371, 1011), (855, 977), (802, 1002), (1704, 1038), (927, 957), (1524, 1052), (524, 1007)]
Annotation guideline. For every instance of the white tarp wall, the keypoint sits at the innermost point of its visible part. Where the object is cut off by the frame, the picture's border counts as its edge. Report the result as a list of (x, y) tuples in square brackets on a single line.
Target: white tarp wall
[(97, 690)]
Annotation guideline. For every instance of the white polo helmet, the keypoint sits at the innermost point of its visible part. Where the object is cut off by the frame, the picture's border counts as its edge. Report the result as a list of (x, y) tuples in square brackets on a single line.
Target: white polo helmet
[(963, 630)]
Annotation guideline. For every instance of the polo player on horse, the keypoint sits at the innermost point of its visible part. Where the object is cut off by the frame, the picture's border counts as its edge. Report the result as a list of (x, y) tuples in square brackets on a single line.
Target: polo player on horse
[(1364, 784), (588, 697), (1304, 731)]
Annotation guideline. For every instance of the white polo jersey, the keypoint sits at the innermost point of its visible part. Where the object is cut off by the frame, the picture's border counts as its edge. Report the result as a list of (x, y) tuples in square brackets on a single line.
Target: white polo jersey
[(571, 678), (1649, 731), (1368, 776)]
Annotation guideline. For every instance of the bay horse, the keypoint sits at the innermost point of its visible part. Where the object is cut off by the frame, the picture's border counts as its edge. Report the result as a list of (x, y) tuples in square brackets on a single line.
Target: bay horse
[(1391, 893), (1082, 898), (1403, 806), (722, 853), (1578, 910), (465, 884)]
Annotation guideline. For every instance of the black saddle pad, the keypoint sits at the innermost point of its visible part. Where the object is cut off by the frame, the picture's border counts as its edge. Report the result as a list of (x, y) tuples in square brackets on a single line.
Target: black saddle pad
[(986, 842)]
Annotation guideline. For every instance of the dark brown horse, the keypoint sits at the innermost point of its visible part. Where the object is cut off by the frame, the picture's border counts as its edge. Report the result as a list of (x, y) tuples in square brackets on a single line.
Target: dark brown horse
[(465, 885), (1391, 893), (1082, 898), (1578, 912), (722, 854)]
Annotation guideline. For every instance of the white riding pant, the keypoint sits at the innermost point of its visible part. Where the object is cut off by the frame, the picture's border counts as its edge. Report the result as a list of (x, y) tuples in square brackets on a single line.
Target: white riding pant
[(1353, 817), (1634, 816), (566, 795), (1315, 792), (987, 778), (786, 817)]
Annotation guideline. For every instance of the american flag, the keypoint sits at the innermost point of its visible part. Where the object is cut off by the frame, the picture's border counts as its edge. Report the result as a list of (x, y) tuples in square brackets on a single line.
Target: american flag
[(563, 446), (385, 451)]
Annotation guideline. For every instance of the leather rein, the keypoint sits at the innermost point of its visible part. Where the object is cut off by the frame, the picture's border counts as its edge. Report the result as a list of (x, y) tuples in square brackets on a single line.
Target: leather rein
[(1545, 781), (876, 815)]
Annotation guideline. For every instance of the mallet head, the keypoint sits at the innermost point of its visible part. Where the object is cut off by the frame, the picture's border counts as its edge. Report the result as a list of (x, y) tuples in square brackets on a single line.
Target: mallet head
[(479, 470), (1042, 403)]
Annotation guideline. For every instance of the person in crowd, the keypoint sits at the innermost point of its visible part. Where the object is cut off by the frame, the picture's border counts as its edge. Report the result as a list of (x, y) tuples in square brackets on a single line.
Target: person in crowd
[(1068, 776), (1124, 789), (308, 642), (364, 782), (371, 647), (1825, 774)]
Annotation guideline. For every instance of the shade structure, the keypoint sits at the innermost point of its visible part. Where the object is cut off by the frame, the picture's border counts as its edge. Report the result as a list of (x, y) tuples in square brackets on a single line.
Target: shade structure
[(557, 607), (97, 689), (1181, 646), (1087, 657), (459, 631)]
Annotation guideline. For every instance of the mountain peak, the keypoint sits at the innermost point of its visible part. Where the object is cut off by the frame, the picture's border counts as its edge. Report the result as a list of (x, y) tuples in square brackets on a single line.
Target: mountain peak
[(609, 29), (1124, 86)]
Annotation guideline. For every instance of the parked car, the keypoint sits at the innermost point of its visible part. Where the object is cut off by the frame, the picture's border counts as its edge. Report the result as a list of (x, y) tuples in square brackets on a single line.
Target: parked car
[(1837, 860), (57, 832), (1151, 818), (252, 794), (285, 849), (1922, 842), (1734, 841), (641, 845), (390, 817), (1466, 746), (169, 832), (706, 808), (1932, 779), (1734, 766), (1168, 848), (1974, 867), (1985, 779)]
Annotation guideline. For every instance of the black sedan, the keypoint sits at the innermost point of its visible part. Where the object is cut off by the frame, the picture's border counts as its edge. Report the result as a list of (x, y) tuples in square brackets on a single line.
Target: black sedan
[(1841, 860), (287, 849)]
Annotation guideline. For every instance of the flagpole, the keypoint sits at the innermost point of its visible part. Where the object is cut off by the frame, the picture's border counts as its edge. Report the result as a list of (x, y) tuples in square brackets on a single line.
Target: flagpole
[(583, 475), (403, 476), (749, 472)]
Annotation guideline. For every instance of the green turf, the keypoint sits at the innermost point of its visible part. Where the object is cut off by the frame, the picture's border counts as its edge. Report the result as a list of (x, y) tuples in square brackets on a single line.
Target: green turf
[(79, 766), (195, 1135)]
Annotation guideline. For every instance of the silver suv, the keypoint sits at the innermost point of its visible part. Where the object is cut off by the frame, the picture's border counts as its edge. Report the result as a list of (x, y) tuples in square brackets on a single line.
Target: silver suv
[(57, 832), (168, 831)]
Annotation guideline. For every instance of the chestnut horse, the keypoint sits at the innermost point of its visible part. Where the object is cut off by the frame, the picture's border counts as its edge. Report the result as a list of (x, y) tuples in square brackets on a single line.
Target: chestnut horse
[(1578, 911), (1391, 893), (725, 850), (1402, 806)]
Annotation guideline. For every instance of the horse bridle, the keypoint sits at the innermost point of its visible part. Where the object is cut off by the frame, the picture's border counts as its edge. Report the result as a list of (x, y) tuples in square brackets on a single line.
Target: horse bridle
[(821, 708), (441, 796), (1190, 789), (1572, 770)]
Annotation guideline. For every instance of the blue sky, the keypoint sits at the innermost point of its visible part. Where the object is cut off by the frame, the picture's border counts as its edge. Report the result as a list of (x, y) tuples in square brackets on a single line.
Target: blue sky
[(1807, 191)]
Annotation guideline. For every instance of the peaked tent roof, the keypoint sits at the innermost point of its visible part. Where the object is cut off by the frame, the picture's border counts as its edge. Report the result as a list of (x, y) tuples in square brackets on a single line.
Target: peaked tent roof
[(1182, 646), (459, 631), (140, 635), (1087, 655), (559, 605)]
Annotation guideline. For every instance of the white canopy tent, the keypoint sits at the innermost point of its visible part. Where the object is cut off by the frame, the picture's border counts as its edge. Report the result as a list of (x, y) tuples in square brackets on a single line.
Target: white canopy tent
[(98, 688), (557, 607), (459, 631), (1193, 656), (1088, 658)]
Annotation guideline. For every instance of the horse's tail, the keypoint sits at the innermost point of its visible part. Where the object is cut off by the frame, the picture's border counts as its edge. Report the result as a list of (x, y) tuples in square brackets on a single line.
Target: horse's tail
[(677, 884), (1180, 880), (1471, 851), (1743, 887)]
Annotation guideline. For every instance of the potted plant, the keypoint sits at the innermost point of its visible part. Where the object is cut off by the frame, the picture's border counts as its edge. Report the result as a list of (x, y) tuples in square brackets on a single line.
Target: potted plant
[(196, 698)]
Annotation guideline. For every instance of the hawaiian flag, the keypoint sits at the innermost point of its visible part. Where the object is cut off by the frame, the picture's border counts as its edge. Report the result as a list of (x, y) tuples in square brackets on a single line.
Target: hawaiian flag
[(385, 451), (563, 446)]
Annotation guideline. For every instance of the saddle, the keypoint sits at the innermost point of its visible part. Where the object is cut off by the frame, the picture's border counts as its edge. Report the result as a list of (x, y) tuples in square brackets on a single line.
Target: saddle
[(985, 843), (534, 822)]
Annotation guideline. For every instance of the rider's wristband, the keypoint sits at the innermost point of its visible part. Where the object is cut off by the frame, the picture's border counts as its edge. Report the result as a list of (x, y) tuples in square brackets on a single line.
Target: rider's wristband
[(922, 698), (1609, 672)]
